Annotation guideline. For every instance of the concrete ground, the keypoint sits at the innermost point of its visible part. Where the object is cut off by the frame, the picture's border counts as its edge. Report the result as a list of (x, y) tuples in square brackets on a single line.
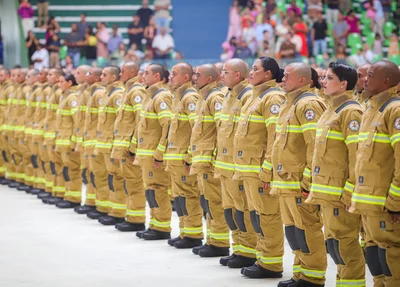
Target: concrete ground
[(43, 246)]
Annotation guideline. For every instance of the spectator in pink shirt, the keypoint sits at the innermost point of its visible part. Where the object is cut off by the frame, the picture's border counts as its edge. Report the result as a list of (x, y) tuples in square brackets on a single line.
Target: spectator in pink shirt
[(234, 21), (25, 11), (102, 40), (353, 22), (294, 8)]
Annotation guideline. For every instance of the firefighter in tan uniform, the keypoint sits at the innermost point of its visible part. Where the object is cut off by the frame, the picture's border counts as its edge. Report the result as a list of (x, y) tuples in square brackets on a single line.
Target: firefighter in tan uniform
[(154, 123), (6, 88), (291, 164), (234, 202), (55, 183), (37, 134), (185, 188), (377, 192), (359, 94), (110, 102), (333, 177), (125, 127), (253, 147), (66, 142), (202, 150), (220, 84)]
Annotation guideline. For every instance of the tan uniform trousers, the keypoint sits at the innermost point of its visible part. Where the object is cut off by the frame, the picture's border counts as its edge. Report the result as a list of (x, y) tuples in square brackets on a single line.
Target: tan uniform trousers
[(157, 182), (18, 155), (117, 197), (237, 216), (6, 155), (217, 229), (57, 167), (342, 229), (303, 228), (134, 188), (86, 176), (99, 179), (382, 248), (72, 175), (50, 178), (186, 195)]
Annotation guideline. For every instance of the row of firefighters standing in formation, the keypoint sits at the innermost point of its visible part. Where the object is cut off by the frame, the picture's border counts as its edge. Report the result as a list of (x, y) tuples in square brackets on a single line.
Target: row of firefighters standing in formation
[(257, 154)]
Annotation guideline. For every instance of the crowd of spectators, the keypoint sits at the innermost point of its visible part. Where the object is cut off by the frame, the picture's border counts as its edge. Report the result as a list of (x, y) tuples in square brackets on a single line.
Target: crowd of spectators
[(314, 30), (93, 44)]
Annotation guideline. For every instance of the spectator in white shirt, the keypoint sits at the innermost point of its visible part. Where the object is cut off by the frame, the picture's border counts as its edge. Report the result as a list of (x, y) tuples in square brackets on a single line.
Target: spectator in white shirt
[(40, 58), (163, 44), (162, 13)]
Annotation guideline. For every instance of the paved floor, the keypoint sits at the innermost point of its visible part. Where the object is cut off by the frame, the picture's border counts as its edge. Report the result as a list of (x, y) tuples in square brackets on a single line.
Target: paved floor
[(43, 246)]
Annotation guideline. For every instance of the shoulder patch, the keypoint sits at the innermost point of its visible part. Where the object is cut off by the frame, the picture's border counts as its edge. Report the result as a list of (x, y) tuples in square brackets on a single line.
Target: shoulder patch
[(118, 102), (191, 107), (354, 125), (309, 114), (397, 123), (39, 98), (217, 106), (99, 101), (74, 103), (60, 99), (138, 99), (163, 105), (274, 109)]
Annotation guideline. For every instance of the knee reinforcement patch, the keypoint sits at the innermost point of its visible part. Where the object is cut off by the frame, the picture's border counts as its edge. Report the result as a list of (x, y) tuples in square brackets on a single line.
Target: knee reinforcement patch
[(383, 261), (4, 154), (203, 203), (372, 259), (92, 179), (110, 182), (337, 252), (178, 206), (254, 222), (182, 203), (65, 174), (291, 237), (84, 178), (44, 167), (208, 210), (53, 168), (331, 250), (301, 240), (34, 161), (125, 188), (239, 215), (151, 198), (228, 213)]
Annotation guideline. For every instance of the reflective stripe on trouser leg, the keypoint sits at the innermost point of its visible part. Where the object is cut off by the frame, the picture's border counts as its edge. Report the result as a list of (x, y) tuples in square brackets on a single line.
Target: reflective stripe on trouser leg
[(136, 200), (219, 231), (381, 231), (28, 170), (72, 161), (49, 177), (308, 230), (344, 247), (176, 185), (228, 187), (117, 197), (200, 182), (40, 181), (56, 166), (99, 170), (157, 182)]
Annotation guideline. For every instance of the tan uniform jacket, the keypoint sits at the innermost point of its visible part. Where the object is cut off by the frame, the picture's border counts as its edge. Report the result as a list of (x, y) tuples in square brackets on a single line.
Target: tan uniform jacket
[(31, 104), (294, 143), (18, 110), (183, 110), (6, 90), (204, 134), (80, 115), (154, 123), (334, 158), (378, 156), (49, 122)]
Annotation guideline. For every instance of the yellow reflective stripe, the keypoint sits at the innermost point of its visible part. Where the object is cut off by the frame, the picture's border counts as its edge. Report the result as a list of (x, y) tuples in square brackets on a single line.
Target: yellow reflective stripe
[(145, 152), (59, 188), (134, 140), (161, 147), (18, 128), (201, 158), (296, 268), (309, 127), (18, 102), (270, 121), (49, 135), (192, 230), (94, 110), (160, 224), (89, 143), (351, 139), (183, 117), (90, 196), (28, 131), (286, 184), (321, 188), (79, 139), (313, 273), (165, 114), (76, 194), (117, 206), (368, 199), (208, 119), (37, 132), (3, 102), (102, 203), (235, 248), (174, 156), (289, 129), (270, 260), (29, 178), (49, 184), (219, 236), (128, 108), (253, 118), (349, 187), (138, 213), (64, 112), (192, 116), (121, 143), (331, 134), (307, 172), (267, 165), (246, 168), (83, 108), (224, 165), (358, 283), (245, 249), (394, 139), (63, 142), (103, 145), (378, 137), (394, 190)]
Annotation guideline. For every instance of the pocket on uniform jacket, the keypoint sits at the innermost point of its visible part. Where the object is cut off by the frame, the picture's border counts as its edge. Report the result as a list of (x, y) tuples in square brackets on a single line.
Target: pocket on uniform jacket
[(249, 156)]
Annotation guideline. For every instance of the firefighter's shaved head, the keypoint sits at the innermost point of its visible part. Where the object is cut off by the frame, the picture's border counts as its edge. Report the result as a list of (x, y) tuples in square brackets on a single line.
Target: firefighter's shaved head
[(209, 70), (302, 70)]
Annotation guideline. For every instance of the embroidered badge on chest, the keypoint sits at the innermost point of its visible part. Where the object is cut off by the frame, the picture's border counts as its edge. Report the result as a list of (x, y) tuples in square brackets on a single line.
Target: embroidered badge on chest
[(354, 125), (309, 115), (118, 102)]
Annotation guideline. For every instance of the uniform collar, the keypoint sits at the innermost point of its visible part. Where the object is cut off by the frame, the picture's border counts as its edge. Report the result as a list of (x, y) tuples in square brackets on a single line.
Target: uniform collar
[(6, 83), (93, 87), (131, 82), (236, 90), (82, 87), (293, 95), (204, 91), (336, 101), (154, 88), (378, 100), (71, 90), (259, 89), (113, 85), (182, 89), (55, 87)]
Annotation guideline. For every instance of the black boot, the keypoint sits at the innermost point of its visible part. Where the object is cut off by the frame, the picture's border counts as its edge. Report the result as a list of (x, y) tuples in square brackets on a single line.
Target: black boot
[(214, 251), (4, 181), (187, 242), (155, 235), (110, 220), (257, 271), (67, 204), (241, 261), (36, 191), (14, 184), (304, 283), (128, 226), (53, 200), (23, 187), (224, 260), (196, 249), (172, 241), (95, 214), (43, 195), (85, 209), (28, 190), (140, 233), (286, 283)]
